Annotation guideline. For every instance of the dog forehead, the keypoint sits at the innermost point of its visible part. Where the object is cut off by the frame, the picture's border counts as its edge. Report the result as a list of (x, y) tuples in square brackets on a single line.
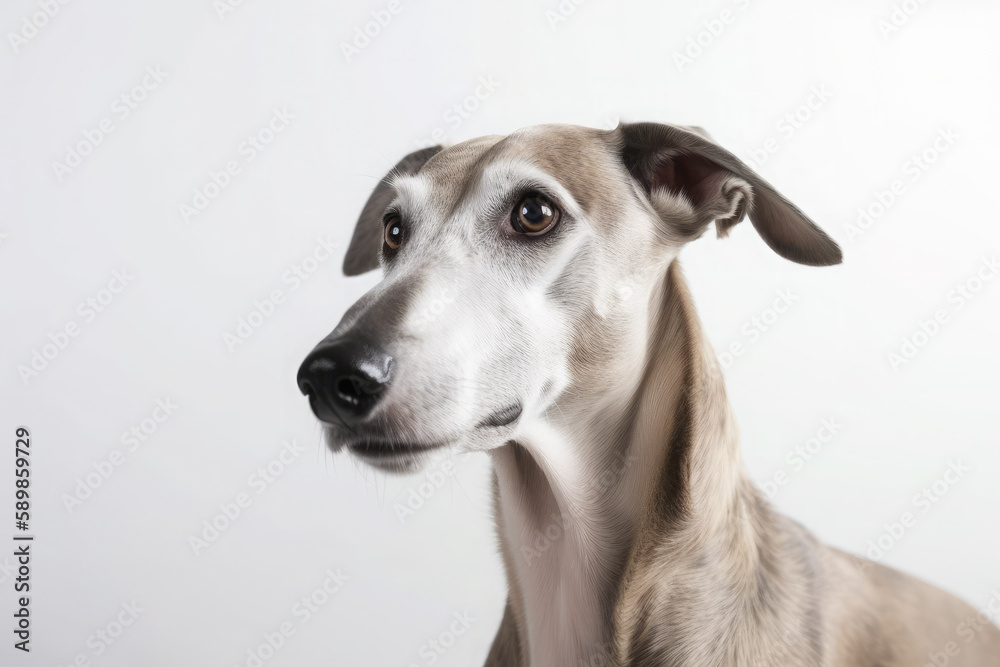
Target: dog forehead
[(583, 160)]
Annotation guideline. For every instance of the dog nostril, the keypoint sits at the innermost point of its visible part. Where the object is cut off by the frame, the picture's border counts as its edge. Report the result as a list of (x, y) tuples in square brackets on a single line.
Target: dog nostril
[(348, 390), (306, 388), (356, 391)]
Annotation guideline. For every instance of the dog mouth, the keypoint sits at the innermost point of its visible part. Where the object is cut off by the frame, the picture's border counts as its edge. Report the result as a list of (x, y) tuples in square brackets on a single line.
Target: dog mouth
[(383, 449), (392, 449), (391, 456)]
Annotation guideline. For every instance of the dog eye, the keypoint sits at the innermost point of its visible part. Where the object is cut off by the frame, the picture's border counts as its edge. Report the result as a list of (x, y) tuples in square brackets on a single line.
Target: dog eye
[(534, 215), (393, 232)]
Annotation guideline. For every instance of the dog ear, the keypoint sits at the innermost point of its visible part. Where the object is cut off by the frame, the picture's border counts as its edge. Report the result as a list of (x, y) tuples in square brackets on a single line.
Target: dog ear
[(362, 254), (683, 172)]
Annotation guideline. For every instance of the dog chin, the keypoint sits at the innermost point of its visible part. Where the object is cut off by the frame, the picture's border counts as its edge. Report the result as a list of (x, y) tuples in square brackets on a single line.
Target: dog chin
[(401, 459)]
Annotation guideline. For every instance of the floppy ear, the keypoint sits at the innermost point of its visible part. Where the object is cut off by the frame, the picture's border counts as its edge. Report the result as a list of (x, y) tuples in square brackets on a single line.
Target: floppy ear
[(694, 181), (362, 254)]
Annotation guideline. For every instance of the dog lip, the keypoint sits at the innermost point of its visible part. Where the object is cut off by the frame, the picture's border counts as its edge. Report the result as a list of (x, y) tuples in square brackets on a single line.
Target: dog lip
[(379, 448), (502, 417)]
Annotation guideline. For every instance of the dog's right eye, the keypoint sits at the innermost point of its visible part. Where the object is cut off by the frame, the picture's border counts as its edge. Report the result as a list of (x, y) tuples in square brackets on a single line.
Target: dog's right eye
[(393, 232), (534, 215)]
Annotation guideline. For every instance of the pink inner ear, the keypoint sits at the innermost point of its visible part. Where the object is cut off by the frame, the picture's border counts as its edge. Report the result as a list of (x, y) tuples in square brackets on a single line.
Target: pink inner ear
[(695, 177)]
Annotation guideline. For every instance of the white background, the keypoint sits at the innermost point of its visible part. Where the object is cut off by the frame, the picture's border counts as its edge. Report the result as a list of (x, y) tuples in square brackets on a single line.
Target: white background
[(162, 337)]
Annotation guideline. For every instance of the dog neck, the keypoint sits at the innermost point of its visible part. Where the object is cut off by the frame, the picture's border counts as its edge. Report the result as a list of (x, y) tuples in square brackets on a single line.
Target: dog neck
[(581, 494)]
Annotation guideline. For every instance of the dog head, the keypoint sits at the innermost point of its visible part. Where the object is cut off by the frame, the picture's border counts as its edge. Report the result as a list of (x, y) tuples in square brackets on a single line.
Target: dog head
[(518, 270)]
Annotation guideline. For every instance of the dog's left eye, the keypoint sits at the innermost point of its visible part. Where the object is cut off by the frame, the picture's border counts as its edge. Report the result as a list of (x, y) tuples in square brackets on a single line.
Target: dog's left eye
[(393, 232), (534, 215)]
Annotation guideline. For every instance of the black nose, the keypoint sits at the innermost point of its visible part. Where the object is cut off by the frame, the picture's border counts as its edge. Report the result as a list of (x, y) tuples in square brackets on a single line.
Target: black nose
[(344, 380)]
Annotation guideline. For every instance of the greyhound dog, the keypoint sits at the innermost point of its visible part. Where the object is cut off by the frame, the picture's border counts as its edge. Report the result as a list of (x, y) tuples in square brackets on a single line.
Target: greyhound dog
[(532, 307)]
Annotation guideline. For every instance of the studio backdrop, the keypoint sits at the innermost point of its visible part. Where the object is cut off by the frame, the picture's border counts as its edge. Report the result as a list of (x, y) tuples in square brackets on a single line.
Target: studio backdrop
[(179, 182)]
